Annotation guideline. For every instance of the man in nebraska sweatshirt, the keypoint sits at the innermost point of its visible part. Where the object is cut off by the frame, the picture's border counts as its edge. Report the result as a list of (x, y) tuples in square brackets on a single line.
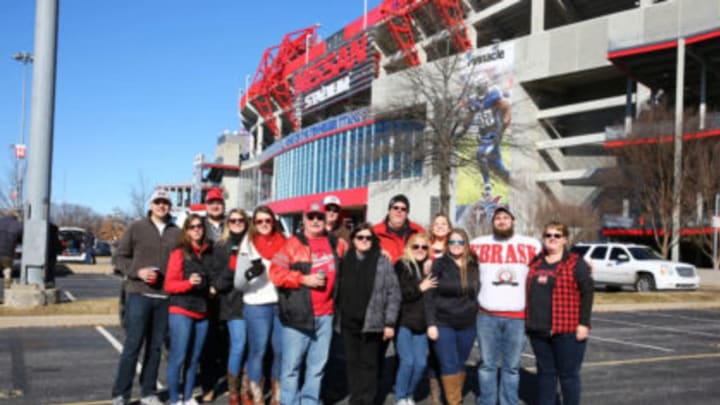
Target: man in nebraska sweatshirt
[(503, 259)]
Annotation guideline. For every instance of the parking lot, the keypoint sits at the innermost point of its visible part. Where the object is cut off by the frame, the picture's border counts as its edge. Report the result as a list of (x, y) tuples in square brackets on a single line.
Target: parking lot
[(653, 357)]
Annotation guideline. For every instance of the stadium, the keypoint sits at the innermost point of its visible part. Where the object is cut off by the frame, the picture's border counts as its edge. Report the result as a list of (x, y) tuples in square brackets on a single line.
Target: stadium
[(563, 83)]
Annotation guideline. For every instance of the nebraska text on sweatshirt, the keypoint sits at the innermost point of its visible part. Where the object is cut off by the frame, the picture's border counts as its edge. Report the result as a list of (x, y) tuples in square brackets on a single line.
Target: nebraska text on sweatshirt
[(503, 267)]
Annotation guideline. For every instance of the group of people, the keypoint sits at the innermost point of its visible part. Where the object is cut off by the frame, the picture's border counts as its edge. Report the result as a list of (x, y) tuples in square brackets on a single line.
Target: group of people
[(232, 286)]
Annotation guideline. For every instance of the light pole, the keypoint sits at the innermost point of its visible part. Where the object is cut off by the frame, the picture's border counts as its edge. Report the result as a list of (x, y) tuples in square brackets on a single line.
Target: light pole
[(25, 58)]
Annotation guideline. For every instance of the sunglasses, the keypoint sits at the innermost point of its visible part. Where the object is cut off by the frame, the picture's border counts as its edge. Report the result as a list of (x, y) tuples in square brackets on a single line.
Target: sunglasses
[(264, 221), (554, 235), (458, 242), (399, 208), (363, 237), (332, 208), (196, 226), (161, 202), (315, 217), (418, 247), (236, 220)]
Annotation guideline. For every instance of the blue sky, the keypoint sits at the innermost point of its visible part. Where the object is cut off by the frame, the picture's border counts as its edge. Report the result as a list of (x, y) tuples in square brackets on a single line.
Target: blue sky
[(143, 86)]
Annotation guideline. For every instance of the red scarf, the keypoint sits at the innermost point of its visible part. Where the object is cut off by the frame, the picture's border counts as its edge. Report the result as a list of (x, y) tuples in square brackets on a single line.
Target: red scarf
[(268, 245)]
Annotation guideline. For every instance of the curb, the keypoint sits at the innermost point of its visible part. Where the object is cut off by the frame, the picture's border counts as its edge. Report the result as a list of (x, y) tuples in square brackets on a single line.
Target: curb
[(55, 321)]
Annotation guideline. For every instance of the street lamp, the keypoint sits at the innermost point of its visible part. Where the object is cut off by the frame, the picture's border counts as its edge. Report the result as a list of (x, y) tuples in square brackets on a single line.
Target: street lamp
[(307, 44), (25, 58)]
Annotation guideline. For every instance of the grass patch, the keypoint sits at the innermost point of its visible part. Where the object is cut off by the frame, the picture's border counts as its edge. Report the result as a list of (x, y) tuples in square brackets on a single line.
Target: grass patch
[(98, 306), (656, 297)]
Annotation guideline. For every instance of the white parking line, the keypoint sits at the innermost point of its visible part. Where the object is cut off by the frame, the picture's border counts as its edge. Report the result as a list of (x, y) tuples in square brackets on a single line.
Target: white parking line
[(665, 328), (626, 343), (119, 347), (690, 318), (69, 295)]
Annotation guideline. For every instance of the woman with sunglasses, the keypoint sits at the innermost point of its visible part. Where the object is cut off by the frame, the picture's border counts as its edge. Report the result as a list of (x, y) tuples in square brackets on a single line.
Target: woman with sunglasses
[(231, 299), (559, 304), (451, 309), (187, 282), (261, 303), (367, 302), (411, 342)]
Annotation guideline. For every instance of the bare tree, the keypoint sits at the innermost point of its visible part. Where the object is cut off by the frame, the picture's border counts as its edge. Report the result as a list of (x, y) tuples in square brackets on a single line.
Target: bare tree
[(67, 214), (454, 125), (702, 184), (582, 221), (139, 195), (644, 172)]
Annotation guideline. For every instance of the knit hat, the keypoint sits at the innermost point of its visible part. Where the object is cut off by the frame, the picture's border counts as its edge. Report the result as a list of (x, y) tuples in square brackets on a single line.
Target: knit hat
[(399, 198)]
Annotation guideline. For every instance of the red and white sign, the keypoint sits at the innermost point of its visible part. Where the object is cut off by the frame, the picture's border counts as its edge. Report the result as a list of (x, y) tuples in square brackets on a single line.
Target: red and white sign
[(20, 151)]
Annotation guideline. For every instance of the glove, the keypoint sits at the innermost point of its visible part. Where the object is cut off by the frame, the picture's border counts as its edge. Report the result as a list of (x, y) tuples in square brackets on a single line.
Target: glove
[(255, 270)]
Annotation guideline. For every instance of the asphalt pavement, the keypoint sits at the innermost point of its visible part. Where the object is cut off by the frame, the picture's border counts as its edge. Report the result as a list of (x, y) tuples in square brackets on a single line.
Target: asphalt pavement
[(654, 357)]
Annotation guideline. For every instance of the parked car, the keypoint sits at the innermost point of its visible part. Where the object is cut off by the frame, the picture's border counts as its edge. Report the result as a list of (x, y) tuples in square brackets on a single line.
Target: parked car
[(637, 266), (72, 241)]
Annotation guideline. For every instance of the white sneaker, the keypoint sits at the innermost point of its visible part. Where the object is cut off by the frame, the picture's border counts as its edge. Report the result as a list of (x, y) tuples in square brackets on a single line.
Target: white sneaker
[(151, 400), (191, 401), (119, 400)]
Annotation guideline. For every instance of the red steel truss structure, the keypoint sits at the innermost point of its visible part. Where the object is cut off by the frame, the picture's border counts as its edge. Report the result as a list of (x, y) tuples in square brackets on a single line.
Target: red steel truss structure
[(271, 83), (399, 22)]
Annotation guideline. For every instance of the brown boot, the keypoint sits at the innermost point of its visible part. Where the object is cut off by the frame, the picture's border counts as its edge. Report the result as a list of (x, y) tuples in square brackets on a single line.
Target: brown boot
[(256, 392), (435, 394), (275, 393), (245, 394), (453, 388), (233, 383)]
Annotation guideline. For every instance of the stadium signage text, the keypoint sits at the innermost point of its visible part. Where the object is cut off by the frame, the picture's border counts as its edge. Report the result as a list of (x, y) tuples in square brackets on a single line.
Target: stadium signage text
[(315, 131), (331, 65), (327, 92), (496, 53)]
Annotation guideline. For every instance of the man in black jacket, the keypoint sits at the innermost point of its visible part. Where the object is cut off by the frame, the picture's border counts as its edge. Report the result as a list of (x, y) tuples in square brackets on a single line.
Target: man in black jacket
[(142, 256)]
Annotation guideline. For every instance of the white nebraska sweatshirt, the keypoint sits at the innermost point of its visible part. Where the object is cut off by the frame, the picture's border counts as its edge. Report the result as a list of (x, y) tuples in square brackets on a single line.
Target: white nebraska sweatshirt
[(503, 266)]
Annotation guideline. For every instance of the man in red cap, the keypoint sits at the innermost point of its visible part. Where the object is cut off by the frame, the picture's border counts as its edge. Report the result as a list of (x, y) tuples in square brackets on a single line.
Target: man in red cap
[(215, 220), (304, 272)]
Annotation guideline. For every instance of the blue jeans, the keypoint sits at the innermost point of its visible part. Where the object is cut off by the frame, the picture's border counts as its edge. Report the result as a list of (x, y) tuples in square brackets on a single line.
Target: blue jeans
[(501, 340), (452, 348), (185, 332), (560, 357), (308, 348), (263, 323), (412, 351), (146, 319), (237, 330)]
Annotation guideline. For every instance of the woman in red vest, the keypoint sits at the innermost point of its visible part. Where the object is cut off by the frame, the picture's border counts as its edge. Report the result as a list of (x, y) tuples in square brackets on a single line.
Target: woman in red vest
[(559, 303)]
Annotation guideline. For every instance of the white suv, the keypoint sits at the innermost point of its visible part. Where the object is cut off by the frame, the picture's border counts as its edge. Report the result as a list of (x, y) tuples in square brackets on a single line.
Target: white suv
[(639, 266)]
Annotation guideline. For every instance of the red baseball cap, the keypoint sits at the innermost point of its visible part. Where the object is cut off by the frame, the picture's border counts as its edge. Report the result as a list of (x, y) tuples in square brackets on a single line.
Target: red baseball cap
[(214, 194), (314, 207)]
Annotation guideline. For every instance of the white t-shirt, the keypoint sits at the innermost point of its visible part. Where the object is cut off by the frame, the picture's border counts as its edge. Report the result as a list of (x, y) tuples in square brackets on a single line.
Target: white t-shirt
[(503, 267)]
